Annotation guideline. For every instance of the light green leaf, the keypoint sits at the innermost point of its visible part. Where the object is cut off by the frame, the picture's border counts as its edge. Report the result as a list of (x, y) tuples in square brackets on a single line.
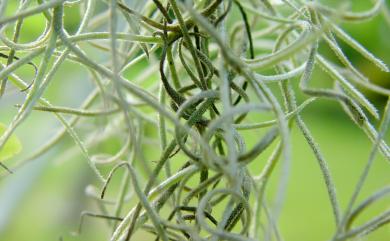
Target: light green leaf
[(11, 148)]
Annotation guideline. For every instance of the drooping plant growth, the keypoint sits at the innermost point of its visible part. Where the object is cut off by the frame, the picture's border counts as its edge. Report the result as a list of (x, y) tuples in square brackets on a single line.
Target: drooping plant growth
[(205, 76)]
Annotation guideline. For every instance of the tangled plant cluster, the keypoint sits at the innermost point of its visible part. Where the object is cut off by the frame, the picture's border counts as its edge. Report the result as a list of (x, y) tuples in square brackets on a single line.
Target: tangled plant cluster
[(210, 77)]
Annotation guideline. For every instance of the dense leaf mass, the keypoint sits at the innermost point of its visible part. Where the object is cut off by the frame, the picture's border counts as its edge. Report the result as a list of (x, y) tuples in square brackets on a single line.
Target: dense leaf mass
[(198, 73)]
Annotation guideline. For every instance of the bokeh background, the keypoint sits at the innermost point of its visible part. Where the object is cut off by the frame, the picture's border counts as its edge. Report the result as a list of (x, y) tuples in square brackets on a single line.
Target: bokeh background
[(44, 199)]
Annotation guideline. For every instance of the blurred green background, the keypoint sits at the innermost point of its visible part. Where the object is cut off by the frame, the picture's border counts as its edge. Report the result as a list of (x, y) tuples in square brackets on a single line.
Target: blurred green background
[(43, 200)]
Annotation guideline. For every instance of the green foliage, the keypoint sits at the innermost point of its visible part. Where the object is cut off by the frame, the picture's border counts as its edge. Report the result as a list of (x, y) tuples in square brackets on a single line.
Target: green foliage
[(11, 148), (213, 73)]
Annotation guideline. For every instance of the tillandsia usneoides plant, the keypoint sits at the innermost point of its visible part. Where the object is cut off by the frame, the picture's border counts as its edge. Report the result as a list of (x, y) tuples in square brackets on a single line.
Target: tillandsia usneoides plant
[(205, 71)]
